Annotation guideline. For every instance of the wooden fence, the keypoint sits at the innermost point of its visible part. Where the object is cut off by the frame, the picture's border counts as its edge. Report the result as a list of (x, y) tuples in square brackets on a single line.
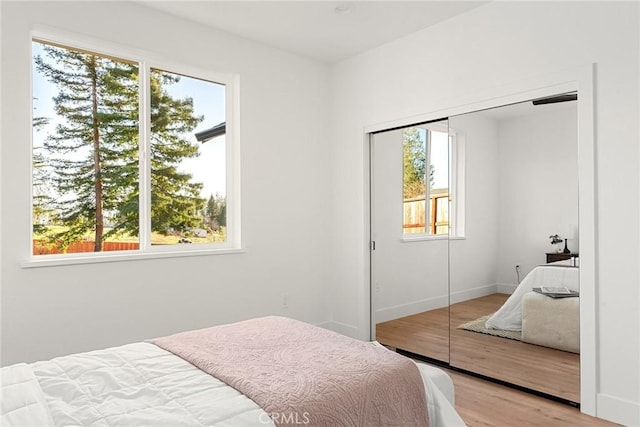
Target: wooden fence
[(44, 247), (415, 216)]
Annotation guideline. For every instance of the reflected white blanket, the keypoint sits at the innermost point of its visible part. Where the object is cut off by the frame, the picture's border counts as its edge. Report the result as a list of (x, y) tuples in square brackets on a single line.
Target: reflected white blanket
[(509, 316)]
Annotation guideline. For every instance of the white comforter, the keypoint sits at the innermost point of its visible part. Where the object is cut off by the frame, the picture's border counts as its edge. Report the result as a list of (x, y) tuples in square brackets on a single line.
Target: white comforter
[(509, 316), (142, 385)]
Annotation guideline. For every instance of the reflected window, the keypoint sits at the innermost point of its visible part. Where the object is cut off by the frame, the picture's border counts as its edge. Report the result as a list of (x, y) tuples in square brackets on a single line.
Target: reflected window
[(429, 154)]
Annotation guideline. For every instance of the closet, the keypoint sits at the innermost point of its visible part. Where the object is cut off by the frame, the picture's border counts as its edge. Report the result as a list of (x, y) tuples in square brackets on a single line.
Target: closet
[(461, 212)]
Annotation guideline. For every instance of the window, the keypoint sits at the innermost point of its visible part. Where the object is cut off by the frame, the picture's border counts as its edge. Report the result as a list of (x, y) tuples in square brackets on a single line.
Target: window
[(430, 174), (127, 157)]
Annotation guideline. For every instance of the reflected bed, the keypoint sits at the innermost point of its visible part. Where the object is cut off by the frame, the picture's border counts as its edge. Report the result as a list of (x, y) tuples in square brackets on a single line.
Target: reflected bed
[(544, 320)]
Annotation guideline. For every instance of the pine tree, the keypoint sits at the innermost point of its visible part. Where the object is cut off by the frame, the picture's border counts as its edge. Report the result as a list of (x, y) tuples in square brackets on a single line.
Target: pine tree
[(415, 164), (216, 212), (414, 161), (42, 201), (175, 199), (94, 150), (81, 154)]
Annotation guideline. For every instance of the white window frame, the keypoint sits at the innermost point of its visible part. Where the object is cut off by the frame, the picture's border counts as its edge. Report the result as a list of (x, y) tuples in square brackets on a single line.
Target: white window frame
[(427, 183), (456, 185), (147, 61)]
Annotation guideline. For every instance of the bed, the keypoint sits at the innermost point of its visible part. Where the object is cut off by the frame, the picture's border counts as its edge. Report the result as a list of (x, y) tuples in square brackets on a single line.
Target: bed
[(543, 320), (144, 384)]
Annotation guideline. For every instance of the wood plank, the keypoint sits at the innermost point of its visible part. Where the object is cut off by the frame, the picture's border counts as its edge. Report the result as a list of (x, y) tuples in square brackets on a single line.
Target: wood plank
[(482, 403), (539, 368), (423, 333)]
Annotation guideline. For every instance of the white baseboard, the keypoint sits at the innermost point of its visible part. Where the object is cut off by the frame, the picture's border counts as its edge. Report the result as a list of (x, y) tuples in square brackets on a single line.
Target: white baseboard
[(504, 288), (472, 293), (414, 307), (618, 410), (341, 328)]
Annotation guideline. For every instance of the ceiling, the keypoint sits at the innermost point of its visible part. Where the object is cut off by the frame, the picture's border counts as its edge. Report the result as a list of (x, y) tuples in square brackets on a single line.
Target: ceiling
[(328, 31)]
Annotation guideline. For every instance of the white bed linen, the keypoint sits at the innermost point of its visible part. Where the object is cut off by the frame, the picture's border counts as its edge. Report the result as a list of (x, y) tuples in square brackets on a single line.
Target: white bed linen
[(143, 385), (440, 397), (23, 403), (509, 316)]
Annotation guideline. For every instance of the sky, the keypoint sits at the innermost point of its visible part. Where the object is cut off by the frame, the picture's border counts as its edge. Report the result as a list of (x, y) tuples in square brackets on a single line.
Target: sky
[(439, 156), (208, 100), (440, 159)]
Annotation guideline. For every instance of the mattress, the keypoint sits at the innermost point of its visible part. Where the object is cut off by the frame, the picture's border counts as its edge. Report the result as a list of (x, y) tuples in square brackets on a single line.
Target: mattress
[(509, 316), (551, 322), (141, 384)]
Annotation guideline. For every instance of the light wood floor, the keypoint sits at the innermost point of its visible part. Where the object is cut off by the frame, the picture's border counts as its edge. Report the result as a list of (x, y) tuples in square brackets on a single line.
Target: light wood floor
[(539, 368), (482, 403), (425, 333)]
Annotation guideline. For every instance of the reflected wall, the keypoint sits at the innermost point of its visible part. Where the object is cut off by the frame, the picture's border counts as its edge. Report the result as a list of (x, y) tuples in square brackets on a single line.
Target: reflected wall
[(522, 186), (410, 227), (512, 182)]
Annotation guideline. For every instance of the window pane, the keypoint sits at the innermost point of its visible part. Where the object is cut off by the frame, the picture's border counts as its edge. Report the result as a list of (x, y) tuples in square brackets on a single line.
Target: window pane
[(441, 204), (414, 153), (85, 151), (188, 160), (439, 182), (422, 147)]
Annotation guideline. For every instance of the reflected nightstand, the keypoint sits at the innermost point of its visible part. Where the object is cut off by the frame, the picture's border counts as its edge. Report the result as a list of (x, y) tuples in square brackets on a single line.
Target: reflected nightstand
[(559, 256)]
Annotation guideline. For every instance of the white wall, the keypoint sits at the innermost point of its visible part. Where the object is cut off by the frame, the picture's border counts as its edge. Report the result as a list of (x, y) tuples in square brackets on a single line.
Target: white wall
[(472, 260), (468, 58), (283, 126), (284, 100), (522, 186), (412, 277), (537, 188), (409, 277)]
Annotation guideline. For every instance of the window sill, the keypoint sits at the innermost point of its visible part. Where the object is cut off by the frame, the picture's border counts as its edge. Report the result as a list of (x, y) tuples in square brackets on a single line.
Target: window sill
[(57, 260), (426, 238)]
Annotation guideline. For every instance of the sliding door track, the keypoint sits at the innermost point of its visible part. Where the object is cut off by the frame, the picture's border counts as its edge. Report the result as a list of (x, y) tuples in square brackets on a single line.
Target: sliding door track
[(446, 365)]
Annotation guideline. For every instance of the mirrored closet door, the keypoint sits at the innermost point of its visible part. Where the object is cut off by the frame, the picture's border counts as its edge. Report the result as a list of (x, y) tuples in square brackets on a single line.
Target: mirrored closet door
[(521, 188), (463, 214), (409, 228)]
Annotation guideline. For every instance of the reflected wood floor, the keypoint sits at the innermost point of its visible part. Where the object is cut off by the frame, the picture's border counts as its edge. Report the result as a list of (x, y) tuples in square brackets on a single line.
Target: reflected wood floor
[(425, 333), (539, 368)]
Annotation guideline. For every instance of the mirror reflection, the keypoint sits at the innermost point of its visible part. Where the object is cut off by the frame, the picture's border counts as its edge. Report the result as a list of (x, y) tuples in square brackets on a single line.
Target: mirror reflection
[(476, 261), (522, 190), (410, 225)]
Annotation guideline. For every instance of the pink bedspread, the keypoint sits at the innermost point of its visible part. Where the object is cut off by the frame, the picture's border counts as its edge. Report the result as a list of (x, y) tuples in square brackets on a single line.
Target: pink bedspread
[(301, 374)]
